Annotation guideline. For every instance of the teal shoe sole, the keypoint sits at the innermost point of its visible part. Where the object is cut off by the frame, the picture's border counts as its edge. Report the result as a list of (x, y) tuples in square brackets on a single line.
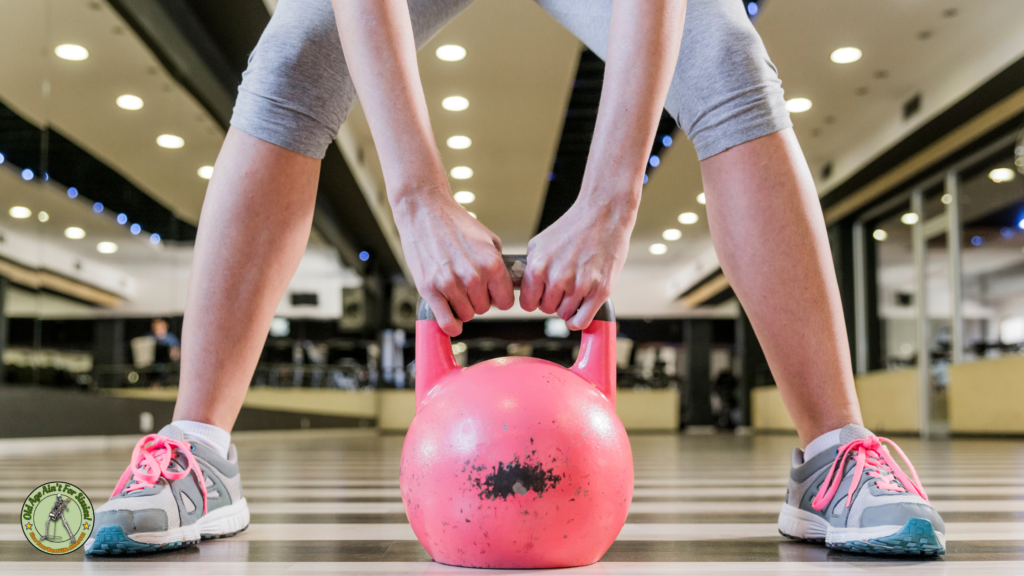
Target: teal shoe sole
[(916, 538), (112, 541)]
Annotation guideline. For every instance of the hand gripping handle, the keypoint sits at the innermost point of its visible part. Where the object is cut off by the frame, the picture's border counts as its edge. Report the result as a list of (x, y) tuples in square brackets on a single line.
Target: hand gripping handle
[(595, 363)]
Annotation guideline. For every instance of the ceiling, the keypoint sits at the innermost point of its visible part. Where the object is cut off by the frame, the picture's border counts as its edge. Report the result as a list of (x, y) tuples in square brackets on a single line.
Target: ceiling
[(940, 49), (518, 76), (845, 127), (80, 103)]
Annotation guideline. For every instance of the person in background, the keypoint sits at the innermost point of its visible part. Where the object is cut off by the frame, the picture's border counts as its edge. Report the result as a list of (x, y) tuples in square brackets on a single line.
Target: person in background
[(168, 351)]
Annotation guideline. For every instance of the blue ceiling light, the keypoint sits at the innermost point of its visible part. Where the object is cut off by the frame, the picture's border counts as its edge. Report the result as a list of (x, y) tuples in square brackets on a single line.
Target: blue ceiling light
[(72, 192), (154, 238), (977, 240), (46, 177), (752, 9), (135, 229), (122, 219), (97, 207), (2, 158), (654, 161), (645, 178), (666, 140), (1021, 224), (551, 176), (364, 255), (27, 174)]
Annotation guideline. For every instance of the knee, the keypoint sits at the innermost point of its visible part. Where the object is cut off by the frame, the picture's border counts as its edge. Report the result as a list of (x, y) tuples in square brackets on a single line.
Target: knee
[(726, 90)]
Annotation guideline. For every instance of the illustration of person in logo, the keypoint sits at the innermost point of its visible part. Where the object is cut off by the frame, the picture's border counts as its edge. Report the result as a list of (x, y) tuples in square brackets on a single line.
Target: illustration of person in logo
[(57, 518), (57, 513)]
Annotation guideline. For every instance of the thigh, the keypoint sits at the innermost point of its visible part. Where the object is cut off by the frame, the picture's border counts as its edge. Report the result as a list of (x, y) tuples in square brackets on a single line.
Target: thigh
[(725, 89), (296, 91)]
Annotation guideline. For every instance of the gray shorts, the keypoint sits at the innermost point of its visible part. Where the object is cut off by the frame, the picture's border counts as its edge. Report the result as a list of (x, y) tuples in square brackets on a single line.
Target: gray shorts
[(297, 91)]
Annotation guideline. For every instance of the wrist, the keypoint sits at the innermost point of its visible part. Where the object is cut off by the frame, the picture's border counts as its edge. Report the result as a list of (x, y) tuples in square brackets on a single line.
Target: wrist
[(409, 199), (617, 200)]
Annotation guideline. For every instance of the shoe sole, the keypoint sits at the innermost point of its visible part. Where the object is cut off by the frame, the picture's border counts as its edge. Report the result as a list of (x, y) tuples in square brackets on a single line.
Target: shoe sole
[(917, 537), (222, 523)]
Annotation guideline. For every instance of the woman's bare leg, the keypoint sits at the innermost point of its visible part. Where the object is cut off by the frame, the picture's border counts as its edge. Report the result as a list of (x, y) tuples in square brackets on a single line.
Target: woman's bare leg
[(769, 232), (253, 231)]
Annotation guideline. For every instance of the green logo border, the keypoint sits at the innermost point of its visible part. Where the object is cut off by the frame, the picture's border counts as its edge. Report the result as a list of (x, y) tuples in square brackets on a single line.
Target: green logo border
[(89, 518)]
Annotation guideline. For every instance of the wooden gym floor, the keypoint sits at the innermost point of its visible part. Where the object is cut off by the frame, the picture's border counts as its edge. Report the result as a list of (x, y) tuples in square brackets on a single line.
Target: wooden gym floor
[(327, 502)]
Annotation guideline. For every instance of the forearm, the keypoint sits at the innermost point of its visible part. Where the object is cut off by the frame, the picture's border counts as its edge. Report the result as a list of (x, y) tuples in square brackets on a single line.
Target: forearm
[(380, 51), (643, 46)]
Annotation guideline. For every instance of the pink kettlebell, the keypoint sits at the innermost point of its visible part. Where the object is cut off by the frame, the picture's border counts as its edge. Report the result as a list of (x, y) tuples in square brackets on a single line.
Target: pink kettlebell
[(516, 462)]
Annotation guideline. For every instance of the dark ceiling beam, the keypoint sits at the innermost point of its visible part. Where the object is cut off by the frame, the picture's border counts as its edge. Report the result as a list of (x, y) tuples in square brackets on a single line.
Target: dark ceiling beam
[(205, 46)]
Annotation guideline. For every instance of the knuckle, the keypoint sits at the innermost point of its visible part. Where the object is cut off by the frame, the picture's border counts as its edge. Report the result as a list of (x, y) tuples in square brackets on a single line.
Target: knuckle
[(472, 280)]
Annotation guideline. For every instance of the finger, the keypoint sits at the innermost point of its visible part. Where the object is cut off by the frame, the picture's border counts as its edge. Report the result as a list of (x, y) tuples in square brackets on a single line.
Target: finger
[(449, 324), (581, 320), (553, 294), (531, 290), (499, 286), (476, 291), (459, 302), (570, 304)]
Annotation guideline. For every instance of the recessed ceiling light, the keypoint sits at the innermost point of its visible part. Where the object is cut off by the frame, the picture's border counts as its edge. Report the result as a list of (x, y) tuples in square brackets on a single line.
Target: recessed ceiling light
[(1000, 175), (27, 174), (135, 229), (170, 141), (465, 197), (74, 233), (459, 142), (462, 172), (455, 103), (154, 238), (666, 140), (880, 235), (947, 198), (658, 249), (910, 218), (471, 214), (702, 199), (19, 212), (798, 105), (671, 234), (846, 55), (106, 247), (71, 52), (129, 102), (122, 218), (654, 161), (205, 172), (451, 52), (43, 217), (688, 218)]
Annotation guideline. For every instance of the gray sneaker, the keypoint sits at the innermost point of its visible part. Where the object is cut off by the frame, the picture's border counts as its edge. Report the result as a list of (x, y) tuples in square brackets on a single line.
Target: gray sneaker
[(884, 513), (173, 494)]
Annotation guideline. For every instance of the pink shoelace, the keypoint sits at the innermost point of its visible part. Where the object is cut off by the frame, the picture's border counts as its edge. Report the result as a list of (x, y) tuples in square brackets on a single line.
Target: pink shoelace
[(151, 459), (871, 454)]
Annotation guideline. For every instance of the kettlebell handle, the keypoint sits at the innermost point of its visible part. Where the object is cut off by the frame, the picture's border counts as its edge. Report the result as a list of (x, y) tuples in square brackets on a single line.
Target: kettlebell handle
[(595, 363), (516, 266)]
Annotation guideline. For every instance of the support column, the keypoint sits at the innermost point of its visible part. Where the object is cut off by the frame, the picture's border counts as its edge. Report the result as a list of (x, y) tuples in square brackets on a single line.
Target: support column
[(697, 336), (860, 300), (4, 284), (954, 245), (924, 384)]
